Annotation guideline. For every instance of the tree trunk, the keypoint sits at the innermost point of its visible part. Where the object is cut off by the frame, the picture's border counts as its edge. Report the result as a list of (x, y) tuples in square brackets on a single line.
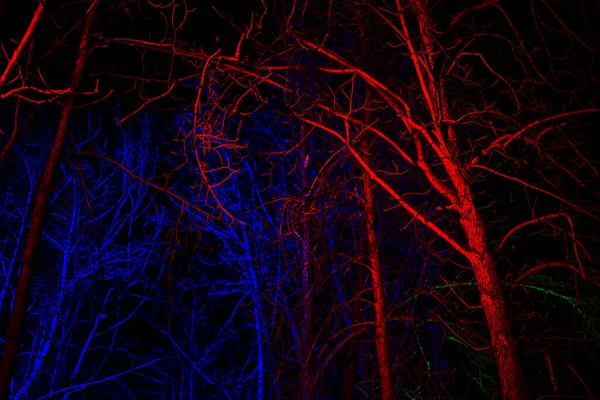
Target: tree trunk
[(496, 311), (381, 339), (19, 311)]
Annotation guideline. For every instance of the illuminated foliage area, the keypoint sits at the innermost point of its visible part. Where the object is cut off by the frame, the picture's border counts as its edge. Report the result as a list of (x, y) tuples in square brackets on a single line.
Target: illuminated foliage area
[(346, 199)]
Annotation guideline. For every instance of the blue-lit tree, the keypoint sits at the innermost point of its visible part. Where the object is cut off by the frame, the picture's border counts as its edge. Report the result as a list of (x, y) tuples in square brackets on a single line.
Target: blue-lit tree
[(102, 232)]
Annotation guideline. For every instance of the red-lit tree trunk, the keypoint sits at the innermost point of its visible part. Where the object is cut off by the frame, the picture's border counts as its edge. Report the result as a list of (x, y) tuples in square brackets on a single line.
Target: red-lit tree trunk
[(504, 347), (381, 338), (19, 311), (508, 360), (376, 270)]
